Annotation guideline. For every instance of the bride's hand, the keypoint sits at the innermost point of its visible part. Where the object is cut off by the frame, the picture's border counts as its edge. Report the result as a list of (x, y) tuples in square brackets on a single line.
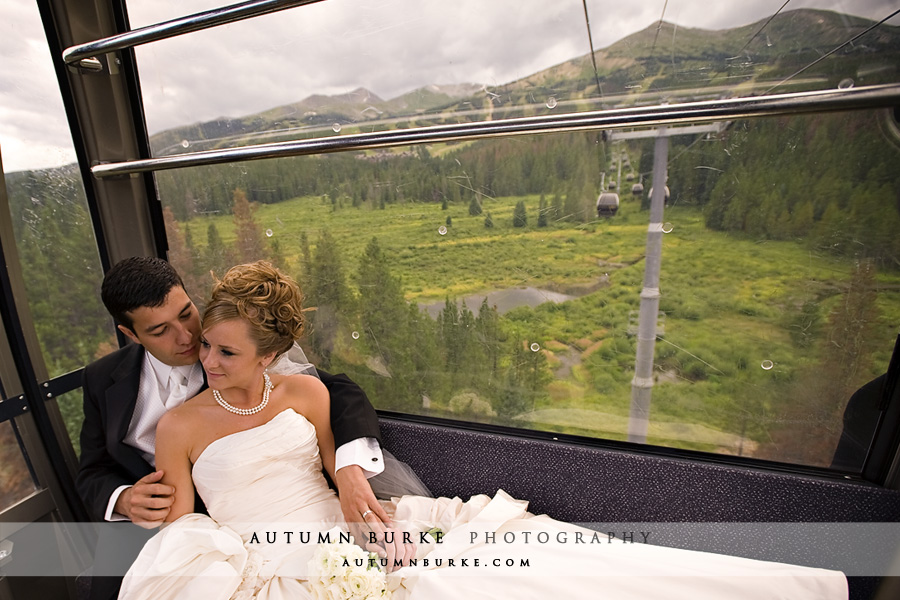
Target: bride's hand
[(391, 547), (367, 519)]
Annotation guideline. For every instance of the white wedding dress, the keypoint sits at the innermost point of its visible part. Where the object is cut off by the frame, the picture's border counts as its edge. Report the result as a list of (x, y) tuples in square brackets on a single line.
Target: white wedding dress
[(265, 493)]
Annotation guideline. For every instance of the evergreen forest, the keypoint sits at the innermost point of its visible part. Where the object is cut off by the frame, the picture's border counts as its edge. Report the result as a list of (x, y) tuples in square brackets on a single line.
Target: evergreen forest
[(779, 280)]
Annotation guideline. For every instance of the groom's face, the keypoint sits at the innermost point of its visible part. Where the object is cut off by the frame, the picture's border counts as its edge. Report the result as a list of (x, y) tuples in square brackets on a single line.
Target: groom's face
[(170, 332)]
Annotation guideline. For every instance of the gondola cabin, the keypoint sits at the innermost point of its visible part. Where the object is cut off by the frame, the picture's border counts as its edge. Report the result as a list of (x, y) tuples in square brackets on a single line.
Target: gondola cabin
[(430, 188), (607, 204)]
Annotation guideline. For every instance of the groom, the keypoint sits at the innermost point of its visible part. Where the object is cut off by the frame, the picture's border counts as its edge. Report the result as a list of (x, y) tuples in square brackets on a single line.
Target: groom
[(126, 393)]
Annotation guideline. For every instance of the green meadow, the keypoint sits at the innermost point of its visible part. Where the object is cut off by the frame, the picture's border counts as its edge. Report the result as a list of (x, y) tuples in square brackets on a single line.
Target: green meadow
[(746, 332)]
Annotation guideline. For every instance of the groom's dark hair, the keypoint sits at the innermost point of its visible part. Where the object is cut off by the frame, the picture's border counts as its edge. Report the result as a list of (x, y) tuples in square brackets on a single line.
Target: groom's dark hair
[(135, 282)]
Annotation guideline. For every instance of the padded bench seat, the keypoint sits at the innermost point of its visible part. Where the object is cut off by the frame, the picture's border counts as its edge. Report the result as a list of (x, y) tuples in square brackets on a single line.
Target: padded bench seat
[(579, 483), (587, 484)]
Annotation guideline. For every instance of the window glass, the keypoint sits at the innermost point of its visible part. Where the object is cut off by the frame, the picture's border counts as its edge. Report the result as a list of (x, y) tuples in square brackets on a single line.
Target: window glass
[(451, 280), (16, 482), (70, 407), (509, 281), (51, 222), (343, 67)]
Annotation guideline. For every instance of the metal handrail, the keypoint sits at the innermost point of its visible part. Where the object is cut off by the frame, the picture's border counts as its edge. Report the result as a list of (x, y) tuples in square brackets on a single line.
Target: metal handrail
[(180, 26), (877, 96)]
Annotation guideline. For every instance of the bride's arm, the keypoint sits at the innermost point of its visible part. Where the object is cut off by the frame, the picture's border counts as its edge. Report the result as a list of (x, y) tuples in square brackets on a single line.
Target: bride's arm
[(316, 407), (173, 459), (357, 499)]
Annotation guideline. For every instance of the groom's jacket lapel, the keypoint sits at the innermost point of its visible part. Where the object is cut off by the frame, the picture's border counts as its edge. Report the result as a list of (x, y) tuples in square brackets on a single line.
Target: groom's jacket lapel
[(121, 398)]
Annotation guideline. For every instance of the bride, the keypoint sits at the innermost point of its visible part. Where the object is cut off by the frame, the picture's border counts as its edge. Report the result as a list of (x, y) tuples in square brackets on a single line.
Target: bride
[(254, 445)]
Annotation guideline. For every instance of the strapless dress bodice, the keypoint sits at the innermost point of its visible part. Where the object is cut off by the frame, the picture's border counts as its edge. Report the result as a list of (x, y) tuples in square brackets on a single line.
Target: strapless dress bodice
[(267, 474)]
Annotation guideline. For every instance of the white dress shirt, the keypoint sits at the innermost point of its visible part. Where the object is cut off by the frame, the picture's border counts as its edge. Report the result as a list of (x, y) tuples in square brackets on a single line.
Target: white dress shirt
[(154, 400)]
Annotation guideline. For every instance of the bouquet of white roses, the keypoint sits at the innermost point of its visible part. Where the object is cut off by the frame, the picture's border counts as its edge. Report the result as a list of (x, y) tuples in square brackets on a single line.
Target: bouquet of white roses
[(343, 571)]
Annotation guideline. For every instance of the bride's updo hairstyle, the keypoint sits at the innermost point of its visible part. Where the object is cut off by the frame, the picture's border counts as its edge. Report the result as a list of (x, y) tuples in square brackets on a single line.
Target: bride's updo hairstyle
[(269, 300)]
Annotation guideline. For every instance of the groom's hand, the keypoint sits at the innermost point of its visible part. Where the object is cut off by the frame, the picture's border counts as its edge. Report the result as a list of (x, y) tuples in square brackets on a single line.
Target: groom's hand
[(147, 502), (357, 498)]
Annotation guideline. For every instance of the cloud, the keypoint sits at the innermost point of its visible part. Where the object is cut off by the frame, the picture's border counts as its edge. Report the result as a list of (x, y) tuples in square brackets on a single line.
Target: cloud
[(387, 46), (34, 132)]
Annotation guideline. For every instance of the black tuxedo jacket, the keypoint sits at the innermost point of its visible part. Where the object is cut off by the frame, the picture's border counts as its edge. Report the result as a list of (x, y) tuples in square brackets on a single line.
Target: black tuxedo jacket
[(110, 389)]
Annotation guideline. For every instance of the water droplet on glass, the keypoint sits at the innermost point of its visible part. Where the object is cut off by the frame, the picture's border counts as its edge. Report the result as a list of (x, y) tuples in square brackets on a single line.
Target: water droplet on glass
[(845, 84), (185, 143), (767, 365), (442, 230), (269, 233), (355, 335), (535, 346), (336, 127), (667, 228), (551, 102)]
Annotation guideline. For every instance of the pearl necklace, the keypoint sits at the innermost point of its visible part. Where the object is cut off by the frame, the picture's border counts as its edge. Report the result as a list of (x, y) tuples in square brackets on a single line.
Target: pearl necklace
[(246, 411)]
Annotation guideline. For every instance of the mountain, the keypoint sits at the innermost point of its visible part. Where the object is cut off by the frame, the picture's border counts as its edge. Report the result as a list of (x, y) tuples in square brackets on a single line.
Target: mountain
[(665, 56), (316, 112), (346, 105), (662, 60)]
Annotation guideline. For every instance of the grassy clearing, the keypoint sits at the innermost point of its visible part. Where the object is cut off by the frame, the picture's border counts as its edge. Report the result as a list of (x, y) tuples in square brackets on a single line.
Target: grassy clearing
[(731, 307)]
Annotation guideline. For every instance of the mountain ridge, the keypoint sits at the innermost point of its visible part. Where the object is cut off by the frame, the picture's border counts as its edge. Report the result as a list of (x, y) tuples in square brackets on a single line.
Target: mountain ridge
[(661, 59)]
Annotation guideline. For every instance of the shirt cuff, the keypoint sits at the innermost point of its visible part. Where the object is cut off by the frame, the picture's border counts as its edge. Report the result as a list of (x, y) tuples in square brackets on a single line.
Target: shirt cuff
[(111, 514), (364, 452)]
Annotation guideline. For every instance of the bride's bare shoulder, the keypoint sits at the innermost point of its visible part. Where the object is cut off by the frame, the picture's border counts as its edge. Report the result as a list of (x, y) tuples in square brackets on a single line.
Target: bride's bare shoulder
[(301, 386), (185, 417)]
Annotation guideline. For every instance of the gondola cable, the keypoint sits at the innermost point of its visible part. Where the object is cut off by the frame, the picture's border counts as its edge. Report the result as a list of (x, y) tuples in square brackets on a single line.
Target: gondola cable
[(766, 24)]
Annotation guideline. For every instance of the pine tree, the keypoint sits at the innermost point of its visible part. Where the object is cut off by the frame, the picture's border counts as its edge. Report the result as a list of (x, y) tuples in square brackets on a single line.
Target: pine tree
[(474, 207), (556, 208), (820, 394), (512, 398), (384, 319), (180, 255), (449, 221), (197, 274), (489, 336), (572, 207), (489, 221), (425, 379), (217, 257), (542, 212), (276, 254), (589, 201), (520, 218), (326, 290), (305, 277), (471, 354), (249, 243), (802, 219)]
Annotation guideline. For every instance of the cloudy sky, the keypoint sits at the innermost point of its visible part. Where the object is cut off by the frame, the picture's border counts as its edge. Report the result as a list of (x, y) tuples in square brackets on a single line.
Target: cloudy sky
[(387, 46)]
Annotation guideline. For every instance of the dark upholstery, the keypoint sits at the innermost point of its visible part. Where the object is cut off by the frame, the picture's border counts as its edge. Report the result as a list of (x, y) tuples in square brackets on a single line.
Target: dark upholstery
[(596, 485), (583, 484)]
